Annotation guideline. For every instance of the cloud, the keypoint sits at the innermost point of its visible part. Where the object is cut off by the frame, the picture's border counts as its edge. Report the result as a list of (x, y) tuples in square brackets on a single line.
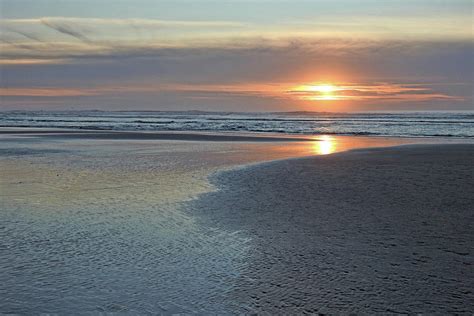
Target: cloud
[(103, 37), (284, 91), (44, 92), (185, 89), (89, 58), (28, 35), (413, 27), (94, 30), (149, 37), (369, 92), (66, 28), (125, 22), (292, 47), (34, 61)]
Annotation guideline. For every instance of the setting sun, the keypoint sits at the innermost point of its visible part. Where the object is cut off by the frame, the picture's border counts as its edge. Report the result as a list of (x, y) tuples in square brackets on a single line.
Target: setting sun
[(325, 88), (317, 92)]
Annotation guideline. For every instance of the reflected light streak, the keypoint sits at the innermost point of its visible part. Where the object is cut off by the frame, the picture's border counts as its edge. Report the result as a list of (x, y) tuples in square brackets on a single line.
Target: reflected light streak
[(324, 145)]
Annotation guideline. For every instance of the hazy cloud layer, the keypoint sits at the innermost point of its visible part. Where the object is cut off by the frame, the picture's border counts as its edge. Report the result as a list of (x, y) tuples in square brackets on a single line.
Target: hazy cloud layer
[(234, 65)]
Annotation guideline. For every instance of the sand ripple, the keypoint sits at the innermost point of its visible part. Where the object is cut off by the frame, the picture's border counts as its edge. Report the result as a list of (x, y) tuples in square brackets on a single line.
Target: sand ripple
[(381, 231)]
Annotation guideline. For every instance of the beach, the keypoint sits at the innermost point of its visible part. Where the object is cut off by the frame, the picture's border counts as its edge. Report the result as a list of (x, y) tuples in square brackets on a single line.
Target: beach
[(368, 231), (105, 222), (248, 157)]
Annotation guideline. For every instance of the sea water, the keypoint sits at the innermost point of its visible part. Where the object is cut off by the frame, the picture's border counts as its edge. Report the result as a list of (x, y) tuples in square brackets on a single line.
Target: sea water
[(406, 124)]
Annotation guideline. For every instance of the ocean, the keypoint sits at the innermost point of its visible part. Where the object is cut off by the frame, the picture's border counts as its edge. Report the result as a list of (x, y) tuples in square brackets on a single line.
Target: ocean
[(406, 124)]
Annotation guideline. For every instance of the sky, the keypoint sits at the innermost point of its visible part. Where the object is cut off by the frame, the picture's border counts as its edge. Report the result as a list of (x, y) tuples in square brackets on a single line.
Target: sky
[(229, 55)]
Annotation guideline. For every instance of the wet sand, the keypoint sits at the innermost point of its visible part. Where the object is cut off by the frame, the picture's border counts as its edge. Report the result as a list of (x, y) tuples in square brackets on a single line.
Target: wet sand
[(176, 136), (132, 225), (386, 230)]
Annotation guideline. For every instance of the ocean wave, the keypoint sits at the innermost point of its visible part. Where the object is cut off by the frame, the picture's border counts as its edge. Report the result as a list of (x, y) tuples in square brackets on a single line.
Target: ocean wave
[(304, 123)]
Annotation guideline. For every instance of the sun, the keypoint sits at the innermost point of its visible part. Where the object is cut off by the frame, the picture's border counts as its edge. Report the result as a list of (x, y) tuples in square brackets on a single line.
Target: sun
[(320, 92), (323, 88)]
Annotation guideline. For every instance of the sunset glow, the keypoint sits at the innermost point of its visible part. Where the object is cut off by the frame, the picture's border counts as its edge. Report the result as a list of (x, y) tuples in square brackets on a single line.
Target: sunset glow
[(317, 92), (324, 88)]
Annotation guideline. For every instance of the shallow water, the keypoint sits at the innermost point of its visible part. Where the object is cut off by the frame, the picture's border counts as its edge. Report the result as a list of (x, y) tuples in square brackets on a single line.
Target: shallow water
[(97, 226), (90, 234)]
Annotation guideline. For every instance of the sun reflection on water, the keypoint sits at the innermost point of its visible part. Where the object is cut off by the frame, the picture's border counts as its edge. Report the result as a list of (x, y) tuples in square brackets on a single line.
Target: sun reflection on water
[(324, 145)]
